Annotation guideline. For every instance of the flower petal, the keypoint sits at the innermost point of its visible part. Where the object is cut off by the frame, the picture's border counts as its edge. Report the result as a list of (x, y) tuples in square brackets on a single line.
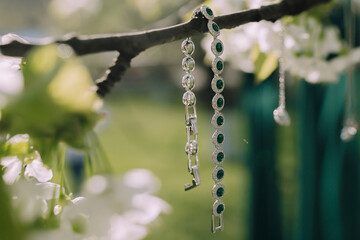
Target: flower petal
[(37, 170), (13, 168), (48, 190), (122, 229), (142, 179), (18, 138)]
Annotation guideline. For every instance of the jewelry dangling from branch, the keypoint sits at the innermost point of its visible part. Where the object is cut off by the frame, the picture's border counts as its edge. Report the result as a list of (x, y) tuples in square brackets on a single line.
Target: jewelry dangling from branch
[(350, 125), (281, 116), (218, 102), (189, 100)]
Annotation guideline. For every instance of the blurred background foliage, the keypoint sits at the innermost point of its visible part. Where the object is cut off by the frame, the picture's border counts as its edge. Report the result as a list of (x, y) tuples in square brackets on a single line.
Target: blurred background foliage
[(299, 182)]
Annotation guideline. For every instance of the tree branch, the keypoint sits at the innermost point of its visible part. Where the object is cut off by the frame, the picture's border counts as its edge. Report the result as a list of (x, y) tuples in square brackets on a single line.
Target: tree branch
[(131, 44)]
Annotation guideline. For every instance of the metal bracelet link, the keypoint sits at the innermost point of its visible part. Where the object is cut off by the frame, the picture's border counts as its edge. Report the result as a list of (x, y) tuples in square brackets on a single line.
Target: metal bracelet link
[(218, 118), (189, 100), (220, 225), (191, 120)]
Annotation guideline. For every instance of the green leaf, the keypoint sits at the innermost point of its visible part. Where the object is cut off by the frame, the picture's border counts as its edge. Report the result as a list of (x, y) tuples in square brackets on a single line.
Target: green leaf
[(19, 149), (264, 63), (58, 103)]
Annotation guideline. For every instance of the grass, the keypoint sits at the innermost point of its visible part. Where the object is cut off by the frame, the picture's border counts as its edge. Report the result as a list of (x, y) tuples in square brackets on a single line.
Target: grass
[(150, 134)]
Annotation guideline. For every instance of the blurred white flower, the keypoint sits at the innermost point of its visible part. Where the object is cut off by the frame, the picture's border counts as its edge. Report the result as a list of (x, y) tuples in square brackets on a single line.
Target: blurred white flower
[(57, 209), (314, 66), (37, 170), (143, 180), (12, 167), (314, 71), (331, 42), (268, 37), (147, 209), (78, 199), (307, 44), (30, 199), (123, 229), (224, 7), (64, 8), (48, 190), (34, 168), (96, 185), (44, 191), (113, 208), (11, 79), (341, 63), (255, 3), (147, 13), (18, 138)]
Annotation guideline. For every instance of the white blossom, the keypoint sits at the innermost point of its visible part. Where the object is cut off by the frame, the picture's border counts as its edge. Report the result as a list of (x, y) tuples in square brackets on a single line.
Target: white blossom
[(37, 170), (19, 138), (123, 229), (142, 179), (12, 167), (307, 45), (110, 208), (64, 8), (30, 199), (11, 79)]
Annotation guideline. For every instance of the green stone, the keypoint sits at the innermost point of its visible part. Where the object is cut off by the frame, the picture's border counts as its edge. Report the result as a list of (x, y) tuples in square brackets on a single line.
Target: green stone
[(215, 27), (220, 138), (208, 10), (220, 120), (219, 84), (220, 174), (220, 192), (219, 65), (220, 156), (218, 47), (220, 102), (220, 209)]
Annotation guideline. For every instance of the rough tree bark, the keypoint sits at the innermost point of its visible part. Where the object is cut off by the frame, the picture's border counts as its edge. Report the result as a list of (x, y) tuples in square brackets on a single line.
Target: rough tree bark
[(129, 45)]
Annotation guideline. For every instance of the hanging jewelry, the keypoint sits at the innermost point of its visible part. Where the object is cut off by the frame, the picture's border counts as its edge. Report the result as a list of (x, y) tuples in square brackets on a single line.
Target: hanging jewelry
[(218, 101), (280, 114), (350, 126), (189, 100)]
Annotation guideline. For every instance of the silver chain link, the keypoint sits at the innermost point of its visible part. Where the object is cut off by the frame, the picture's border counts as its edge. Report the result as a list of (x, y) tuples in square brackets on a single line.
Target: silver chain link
[(189, 100)]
